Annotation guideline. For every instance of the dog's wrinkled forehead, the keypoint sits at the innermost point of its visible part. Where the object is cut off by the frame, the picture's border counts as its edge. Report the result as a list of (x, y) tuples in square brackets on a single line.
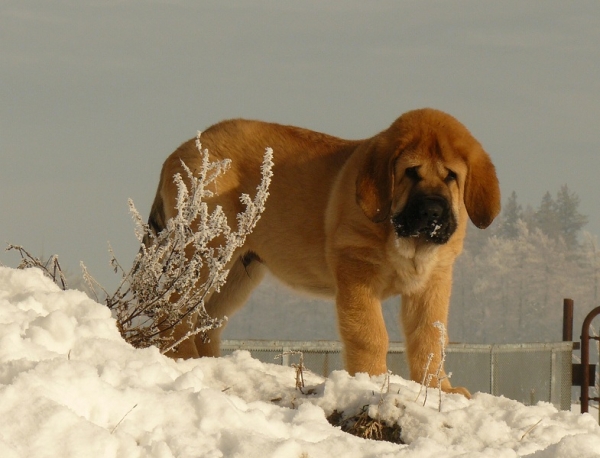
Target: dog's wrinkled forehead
[(432, 132), (431, 155)]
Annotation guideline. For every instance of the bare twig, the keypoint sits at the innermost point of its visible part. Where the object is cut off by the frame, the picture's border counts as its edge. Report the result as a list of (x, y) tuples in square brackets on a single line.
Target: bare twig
[(51, 267), (300, 368), (426, 378), (121, 420), (531, 428), (442, 329)]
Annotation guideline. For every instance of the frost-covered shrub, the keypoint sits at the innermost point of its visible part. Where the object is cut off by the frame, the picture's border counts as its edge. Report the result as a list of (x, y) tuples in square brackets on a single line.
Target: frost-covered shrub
[(175, 270), (50, 267)]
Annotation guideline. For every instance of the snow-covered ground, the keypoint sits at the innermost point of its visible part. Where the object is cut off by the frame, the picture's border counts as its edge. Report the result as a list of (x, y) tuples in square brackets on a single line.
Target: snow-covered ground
[(71, 387)]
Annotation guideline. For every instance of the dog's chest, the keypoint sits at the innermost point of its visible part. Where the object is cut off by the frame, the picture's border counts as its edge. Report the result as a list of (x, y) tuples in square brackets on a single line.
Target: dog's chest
[(411, 265)]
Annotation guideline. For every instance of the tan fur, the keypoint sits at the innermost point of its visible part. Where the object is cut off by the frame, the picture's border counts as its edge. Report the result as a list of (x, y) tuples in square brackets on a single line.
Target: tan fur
[(327, 226)]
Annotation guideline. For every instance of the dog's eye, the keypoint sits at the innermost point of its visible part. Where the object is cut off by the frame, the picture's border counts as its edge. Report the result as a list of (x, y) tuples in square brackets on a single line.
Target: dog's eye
[(412, 173), (450, 177)]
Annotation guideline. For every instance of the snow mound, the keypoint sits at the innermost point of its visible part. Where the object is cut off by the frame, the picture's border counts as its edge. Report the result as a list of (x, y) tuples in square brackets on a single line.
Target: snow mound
[(71, 387)]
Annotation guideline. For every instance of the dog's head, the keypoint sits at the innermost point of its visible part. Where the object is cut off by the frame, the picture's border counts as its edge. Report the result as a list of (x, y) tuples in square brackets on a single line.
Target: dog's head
[(419, 172)]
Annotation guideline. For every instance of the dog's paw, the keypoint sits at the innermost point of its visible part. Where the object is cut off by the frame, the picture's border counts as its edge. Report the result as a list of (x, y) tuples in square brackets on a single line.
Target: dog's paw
[(458, 390)]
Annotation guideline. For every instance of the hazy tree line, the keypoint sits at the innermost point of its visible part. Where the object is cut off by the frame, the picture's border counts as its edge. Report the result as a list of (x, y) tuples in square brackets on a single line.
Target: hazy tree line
[(511, 279)]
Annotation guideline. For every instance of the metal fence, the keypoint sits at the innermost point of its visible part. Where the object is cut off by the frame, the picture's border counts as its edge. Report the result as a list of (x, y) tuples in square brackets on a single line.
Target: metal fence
[(525, 372)]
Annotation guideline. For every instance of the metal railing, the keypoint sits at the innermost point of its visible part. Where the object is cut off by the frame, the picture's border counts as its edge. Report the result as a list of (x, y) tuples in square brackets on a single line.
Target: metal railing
[(584, 373), (528, 373), (588, 371)]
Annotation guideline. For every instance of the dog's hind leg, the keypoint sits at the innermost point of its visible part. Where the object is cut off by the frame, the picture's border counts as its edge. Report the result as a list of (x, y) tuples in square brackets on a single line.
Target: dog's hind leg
[(245, 275)]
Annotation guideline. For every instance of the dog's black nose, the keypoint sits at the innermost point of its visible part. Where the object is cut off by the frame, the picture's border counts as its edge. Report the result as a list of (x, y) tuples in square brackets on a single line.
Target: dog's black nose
[(432, 209)]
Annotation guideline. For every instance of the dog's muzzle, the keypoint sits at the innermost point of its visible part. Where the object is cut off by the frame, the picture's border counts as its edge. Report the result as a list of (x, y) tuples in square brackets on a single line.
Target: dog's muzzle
[(429, 217)]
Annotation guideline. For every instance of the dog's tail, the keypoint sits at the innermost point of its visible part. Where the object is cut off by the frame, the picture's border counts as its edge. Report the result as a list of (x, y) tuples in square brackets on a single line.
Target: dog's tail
[(156, 220), (156, 223)]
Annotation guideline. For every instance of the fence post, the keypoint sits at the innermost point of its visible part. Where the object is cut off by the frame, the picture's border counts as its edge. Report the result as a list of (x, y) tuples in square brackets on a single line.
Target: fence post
[(285, 355), (493, 367), (568, 306)]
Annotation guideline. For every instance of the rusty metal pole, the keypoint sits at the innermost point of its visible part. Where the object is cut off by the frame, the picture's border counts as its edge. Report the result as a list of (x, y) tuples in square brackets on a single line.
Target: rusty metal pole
[(585, 358), (568, 306)]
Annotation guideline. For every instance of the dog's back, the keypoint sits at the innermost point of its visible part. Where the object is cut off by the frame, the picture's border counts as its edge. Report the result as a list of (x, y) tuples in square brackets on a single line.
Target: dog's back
[(290, 236)]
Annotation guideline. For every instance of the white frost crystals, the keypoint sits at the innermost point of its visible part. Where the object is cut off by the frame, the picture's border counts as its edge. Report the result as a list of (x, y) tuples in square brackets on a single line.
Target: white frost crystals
[(435, 229), (176, 269)]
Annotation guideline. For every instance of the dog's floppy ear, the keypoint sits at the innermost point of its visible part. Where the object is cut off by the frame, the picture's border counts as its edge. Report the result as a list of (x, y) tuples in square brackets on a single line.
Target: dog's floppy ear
[(375, 181), (482, 191)]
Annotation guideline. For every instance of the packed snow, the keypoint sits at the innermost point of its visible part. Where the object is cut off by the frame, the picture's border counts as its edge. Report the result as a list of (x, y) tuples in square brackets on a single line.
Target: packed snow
[(71, 387)]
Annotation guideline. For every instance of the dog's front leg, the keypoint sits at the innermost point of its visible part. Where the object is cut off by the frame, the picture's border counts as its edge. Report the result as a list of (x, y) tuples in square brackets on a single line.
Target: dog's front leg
[(424, 340), (361, 324)]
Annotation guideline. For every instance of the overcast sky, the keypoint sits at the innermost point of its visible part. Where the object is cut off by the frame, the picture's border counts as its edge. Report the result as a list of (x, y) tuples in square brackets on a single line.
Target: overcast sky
[(95, 94)]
